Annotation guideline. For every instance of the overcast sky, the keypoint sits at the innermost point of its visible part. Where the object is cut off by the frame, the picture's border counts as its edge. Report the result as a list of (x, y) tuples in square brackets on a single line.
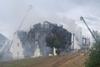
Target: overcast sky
[(12, 12)]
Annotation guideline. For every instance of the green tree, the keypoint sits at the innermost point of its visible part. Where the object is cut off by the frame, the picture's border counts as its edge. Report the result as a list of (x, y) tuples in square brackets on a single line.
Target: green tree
[(94, 56), (58, 38)]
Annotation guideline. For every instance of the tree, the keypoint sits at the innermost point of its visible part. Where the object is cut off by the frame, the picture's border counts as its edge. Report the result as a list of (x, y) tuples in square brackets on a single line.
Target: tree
[(58, 38), (94, 56)]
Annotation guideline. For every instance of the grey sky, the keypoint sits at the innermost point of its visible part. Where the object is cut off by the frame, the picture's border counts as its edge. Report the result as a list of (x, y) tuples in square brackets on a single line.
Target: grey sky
[(12, 12)]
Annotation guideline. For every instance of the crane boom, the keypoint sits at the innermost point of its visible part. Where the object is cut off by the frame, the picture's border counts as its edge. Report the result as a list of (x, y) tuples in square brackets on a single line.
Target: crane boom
[(24, 17), (81, 18)]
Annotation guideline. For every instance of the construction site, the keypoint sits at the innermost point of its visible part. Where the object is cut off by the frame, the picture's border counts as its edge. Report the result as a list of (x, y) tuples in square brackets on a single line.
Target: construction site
[(46, 34), (28, 48)]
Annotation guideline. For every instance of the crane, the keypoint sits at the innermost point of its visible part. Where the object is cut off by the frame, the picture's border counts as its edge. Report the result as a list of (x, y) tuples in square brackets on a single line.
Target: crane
[(21, 23), (81, 18), (7, 47)]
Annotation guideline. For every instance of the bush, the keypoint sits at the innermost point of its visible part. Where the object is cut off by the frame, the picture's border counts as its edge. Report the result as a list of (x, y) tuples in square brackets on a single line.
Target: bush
[(94, 56)]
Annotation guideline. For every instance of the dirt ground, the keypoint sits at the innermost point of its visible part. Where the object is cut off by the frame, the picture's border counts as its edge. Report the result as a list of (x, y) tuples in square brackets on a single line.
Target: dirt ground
[(75, 60)]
